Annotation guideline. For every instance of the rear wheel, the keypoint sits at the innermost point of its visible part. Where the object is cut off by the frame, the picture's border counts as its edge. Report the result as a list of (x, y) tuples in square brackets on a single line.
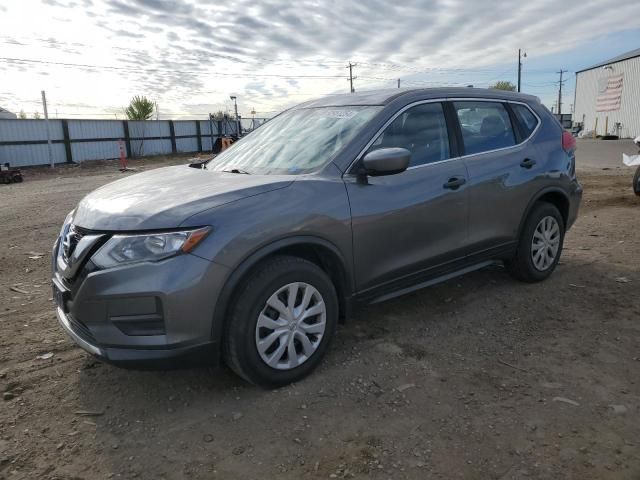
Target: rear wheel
[(281, 322), (540, 244), (636, 182)]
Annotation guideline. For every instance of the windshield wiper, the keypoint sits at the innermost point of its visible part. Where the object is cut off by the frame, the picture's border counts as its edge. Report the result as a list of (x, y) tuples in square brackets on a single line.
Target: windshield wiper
[(237, 170)]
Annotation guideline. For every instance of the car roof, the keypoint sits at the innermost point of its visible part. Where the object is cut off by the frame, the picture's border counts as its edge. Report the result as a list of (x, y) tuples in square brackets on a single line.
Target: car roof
[(384, 97)]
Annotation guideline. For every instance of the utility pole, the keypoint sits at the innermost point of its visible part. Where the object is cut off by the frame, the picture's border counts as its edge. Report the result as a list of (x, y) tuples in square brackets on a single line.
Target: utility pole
[(520, 55), (398, 83), (351, 77), (213, 142), (235, 107), (561, 72), (46, 119)]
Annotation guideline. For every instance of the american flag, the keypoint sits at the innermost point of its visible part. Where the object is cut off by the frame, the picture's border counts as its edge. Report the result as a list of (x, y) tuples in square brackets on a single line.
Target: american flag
[(609, 94)]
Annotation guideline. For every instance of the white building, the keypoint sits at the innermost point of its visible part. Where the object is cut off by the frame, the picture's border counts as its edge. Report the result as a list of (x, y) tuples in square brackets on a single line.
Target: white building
[(7, 114), (609, 93)]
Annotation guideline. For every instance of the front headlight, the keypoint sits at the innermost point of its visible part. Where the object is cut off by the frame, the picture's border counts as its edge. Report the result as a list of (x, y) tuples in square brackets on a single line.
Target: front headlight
[(149, 247), (66, 222)]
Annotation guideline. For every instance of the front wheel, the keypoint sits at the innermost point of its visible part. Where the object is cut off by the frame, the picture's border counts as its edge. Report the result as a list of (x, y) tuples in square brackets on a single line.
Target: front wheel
[(540, 244), (282, 321), (636, 182)]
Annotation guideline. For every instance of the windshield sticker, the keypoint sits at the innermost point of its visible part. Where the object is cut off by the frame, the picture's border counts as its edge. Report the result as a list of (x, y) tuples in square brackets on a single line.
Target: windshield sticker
[(339, 113)]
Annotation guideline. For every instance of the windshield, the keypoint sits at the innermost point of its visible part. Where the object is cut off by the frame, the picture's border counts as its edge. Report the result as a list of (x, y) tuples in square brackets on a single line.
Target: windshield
[(295, 142)]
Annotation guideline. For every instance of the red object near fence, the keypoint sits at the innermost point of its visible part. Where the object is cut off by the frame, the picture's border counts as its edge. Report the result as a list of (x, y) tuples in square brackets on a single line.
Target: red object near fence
[(123, 159)]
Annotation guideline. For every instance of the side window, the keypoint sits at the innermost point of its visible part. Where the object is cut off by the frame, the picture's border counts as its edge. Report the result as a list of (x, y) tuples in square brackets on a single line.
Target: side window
[(528, 121), (485, 126), (422, 130)]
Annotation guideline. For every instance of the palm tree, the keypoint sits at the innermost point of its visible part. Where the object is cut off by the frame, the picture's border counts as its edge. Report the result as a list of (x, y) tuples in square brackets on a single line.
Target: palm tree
[(140, 108)]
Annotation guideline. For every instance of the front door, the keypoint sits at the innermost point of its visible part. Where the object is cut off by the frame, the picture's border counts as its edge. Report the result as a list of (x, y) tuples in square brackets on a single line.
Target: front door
[(406, 224)]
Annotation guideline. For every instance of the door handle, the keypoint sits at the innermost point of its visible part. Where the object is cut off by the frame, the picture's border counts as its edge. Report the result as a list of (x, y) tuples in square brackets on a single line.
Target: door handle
[(454, 183), (527, 163)]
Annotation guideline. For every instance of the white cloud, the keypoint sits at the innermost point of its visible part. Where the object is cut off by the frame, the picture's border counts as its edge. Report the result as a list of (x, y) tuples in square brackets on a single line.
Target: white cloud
[(190, 56)]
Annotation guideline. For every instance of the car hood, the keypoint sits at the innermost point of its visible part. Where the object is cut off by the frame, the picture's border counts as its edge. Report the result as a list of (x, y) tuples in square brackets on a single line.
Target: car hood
[(166, 197)]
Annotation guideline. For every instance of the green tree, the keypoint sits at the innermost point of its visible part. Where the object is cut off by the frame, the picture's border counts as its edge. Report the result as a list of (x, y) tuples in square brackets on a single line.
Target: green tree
[(140, 108), (504, 85), (36, 115), (22, 115), (219, 115)]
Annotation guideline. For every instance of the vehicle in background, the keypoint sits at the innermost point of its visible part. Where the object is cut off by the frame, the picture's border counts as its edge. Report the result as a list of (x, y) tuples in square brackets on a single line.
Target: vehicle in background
[(10, 175)]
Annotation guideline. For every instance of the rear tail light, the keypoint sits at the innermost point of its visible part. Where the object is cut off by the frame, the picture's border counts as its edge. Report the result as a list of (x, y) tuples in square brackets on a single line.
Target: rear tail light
[(568, 142), (569, 146)]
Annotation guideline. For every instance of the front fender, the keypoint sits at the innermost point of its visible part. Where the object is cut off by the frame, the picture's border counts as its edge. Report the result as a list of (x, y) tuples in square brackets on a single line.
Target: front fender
[(311, 212)]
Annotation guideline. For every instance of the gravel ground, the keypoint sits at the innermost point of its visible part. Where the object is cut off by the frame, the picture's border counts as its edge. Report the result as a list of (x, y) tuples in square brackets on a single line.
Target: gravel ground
[(481, 377)]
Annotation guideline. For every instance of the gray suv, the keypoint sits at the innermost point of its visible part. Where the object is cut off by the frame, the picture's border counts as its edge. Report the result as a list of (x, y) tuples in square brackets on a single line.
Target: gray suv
[(255, 257)]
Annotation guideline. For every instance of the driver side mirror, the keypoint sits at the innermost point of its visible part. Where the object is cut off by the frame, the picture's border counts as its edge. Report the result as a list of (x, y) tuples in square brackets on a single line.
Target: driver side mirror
[(386, 161)]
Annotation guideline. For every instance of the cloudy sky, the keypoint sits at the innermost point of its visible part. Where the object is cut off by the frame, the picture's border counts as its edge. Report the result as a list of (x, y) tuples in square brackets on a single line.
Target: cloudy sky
[(92, 56)]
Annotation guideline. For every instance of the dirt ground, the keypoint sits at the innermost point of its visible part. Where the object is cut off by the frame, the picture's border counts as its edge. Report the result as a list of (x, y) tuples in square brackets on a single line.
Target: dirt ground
[(479, 378)]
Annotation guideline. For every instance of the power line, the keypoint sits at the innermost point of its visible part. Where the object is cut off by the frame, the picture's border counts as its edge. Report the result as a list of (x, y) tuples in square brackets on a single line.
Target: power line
[(428, 69), (162, 72), (167, 73), (196, 72), (318, 62)]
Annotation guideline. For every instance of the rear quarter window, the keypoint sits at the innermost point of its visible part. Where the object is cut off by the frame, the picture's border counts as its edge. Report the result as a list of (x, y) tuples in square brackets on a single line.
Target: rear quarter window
[(527, 120)]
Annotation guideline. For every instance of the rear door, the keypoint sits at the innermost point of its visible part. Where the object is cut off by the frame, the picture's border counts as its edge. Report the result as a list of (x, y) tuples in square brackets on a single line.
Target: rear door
[(405, 224), (502, 164)]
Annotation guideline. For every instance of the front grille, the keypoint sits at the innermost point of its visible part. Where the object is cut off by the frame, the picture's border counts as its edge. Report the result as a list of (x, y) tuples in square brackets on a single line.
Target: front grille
[(70, 242), (76, 247)]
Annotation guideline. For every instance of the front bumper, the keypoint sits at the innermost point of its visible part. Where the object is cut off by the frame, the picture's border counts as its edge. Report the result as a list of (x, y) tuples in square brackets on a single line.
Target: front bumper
[(144, 358), (154, 314)]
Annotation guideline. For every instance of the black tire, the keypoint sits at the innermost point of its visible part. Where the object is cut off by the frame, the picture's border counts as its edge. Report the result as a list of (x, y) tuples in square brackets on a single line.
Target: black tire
[(521, 266), (239, 342), (636, 182)]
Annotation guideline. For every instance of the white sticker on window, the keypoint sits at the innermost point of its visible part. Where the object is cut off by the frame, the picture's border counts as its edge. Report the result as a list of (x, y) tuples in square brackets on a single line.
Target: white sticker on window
[(339, 113)]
